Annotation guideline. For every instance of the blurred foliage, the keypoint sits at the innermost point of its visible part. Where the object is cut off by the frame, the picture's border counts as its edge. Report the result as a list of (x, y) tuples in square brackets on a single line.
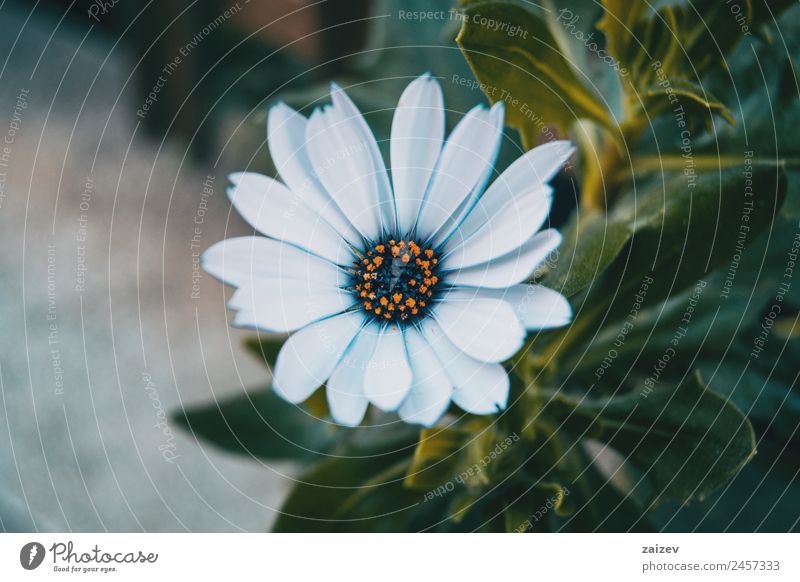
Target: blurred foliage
[(671, 402)]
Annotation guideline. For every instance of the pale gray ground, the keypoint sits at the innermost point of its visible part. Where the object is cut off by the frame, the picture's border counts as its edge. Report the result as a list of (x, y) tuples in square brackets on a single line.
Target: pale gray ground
[(88, 458)]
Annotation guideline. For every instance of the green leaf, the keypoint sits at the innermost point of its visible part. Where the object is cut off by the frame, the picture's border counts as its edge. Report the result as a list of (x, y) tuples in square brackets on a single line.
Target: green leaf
[(674, 47), (687, 38), (668, 230), (265, 348), (592, 240), (569, 416), (637, 330), (696, 100), (687, 440), (618, 22), (459, 455), (360, 490), (260, 425), (788, 327), (740, 506), (596, 502), (513, 54), (349, 495), (708, 40), (639, 37), (686, 230), (530, 511), (769, 402), (463, 502)]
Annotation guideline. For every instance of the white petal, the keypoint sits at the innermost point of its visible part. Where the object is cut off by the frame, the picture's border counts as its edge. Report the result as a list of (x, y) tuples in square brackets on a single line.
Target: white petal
[(417, 135), (388, 375), (536, 167), (430, 391), (528, 173), (490, 231), (350, 112), (286, 138), (480, 387), (537, 307), (308, 357), (509, 269), (271, 208), (452, 223), (485, 391), (345, 392), (343, 164), (470, 150), (283, 305), (486, 329), (241, 261)]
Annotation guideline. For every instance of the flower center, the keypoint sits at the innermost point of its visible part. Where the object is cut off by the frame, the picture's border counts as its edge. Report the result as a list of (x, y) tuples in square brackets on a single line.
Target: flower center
[(395, 281)]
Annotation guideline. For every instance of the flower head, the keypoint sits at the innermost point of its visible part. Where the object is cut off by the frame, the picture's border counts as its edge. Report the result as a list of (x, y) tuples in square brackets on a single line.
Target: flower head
[(408, 293)]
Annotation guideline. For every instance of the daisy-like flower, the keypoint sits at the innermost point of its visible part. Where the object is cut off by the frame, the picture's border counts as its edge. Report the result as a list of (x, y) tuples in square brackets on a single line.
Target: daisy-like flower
[(408, 292)]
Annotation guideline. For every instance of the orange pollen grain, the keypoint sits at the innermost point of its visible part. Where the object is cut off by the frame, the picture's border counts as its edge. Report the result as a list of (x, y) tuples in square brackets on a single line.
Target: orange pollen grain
[(395, 290)]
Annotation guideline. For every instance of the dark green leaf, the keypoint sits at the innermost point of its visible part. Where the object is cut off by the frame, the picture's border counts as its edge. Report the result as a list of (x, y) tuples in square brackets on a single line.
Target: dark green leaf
[(687, 440), (687, 38), (260, 425), (670, 228), (684, 231), (640, 37), (695, 100), (531, 511), (359, 490), (265, 348), (350, 495), (456, 454), (619, 20), (728, 305), (592, 240), (514, 55), (762, 498), (596, 502)]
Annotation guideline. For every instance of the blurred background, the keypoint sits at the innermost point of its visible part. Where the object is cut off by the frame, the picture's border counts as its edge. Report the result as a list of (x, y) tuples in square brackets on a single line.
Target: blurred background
[(120, 121)]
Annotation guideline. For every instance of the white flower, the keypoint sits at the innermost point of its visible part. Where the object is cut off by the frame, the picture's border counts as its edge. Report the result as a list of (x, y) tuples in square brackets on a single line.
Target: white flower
[(407, 294)]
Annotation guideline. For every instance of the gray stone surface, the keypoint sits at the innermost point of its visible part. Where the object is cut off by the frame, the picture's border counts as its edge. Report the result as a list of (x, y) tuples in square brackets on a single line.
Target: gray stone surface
[(80, 445)]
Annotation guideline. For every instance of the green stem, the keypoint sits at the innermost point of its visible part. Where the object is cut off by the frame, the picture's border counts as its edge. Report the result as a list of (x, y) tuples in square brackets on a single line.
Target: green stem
[(703, 163), (601, 181)]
